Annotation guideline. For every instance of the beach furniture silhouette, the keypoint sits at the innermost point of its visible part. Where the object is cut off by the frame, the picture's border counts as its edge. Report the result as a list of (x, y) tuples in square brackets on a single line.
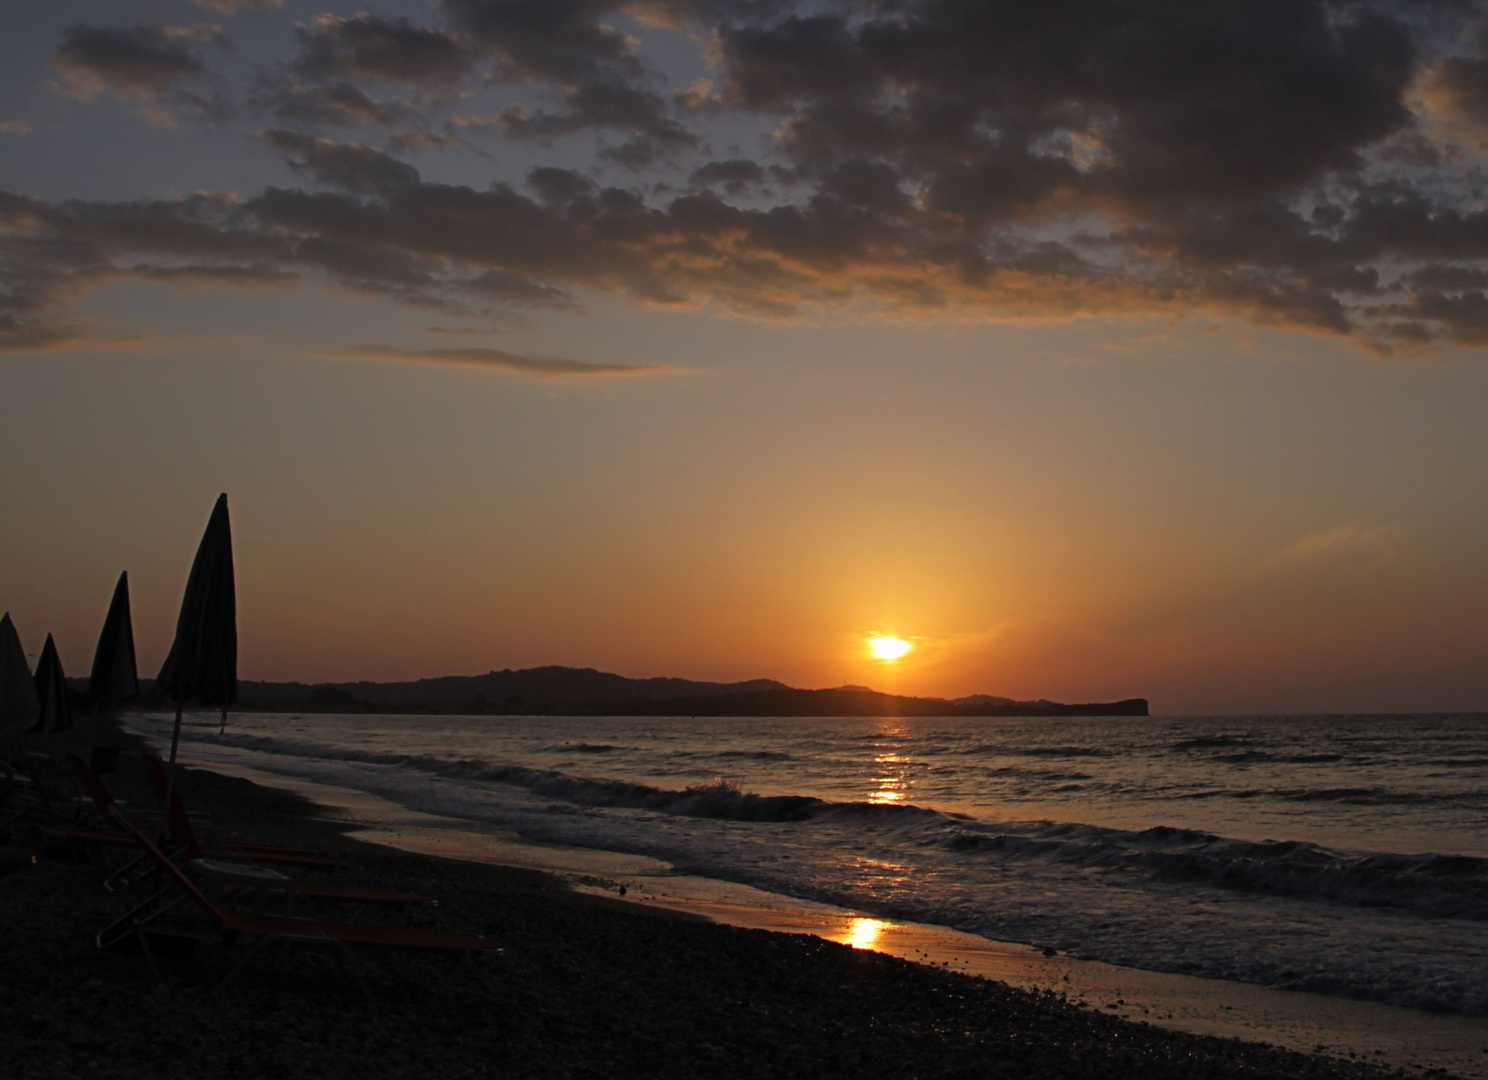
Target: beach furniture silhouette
[(42, 802), (183, 832), (115, 675), (18, 704), (54, 713), (229, 928), (237, 867), (202, 664)]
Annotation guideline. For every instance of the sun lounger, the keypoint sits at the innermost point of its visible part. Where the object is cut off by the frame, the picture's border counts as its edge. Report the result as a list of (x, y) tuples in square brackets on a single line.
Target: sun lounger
[(257, 930), (184, 833), (196, 856)]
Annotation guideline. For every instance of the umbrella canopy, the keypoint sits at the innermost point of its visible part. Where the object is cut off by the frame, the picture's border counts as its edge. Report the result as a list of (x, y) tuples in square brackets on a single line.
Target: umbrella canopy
[(203, 659), (51, 691), (115, 677), (18, 704)]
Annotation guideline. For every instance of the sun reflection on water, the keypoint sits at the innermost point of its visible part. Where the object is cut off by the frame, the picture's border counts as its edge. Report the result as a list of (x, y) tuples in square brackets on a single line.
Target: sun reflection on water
[(863, 933), (891, 779)]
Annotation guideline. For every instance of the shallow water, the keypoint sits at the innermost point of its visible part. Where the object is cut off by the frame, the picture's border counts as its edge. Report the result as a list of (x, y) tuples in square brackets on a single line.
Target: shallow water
[(1342, 855)]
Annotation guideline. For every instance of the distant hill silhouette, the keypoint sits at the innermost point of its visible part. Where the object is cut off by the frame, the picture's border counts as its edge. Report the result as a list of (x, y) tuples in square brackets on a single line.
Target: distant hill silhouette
[(853, 701), (549, 689), (565, 691)]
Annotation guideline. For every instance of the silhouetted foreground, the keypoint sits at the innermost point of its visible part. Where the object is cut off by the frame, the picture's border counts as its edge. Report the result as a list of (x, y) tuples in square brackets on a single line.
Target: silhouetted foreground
[(563, 691), (585, 987)]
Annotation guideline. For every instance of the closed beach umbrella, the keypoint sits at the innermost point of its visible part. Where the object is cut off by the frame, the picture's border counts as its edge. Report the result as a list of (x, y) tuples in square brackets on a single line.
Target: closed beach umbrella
[(115, 677), (18, 704), (203, 659), (51, 691)]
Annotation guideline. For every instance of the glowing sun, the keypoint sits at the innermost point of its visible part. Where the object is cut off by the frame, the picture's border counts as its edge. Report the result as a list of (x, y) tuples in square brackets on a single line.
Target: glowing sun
[(888, 648)]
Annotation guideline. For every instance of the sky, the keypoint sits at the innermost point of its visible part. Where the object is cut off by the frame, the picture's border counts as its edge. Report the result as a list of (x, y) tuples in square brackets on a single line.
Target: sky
[(1098, 349)]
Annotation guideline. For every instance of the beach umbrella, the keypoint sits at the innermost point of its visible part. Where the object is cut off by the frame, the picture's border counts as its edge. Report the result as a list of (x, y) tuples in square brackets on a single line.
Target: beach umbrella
[(51, 691), (203, 659), (18, 704), (115, 677)]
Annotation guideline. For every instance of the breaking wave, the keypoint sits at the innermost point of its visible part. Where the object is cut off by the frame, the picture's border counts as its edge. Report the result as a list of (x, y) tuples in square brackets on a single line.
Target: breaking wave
[(1145, 844)]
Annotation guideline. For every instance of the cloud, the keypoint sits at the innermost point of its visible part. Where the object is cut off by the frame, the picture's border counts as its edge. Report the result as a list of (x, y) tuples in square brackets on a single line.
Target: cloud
[(1372, 543), (350, 166), (340, 103), (1258, 160), (19, 335), (499, 360), (232, 7), (735, 175), (14, 127), (145, 64), (320, 84), (563, 41), (601, 106), (370, 47)]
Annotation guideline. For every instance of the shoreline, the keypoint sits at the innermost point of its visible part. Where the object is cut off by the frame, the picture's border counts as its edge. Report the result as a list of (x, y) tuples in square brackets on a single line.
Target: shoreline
[(1295, 1020), (587, 983)]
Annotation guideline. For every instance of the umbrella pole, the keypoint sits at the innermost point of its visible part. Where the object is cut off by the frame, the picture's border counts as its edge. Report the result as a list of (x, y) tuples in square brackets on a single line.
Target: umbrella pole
[(176, 734), (99, 708), (223, 729), (170, 783)]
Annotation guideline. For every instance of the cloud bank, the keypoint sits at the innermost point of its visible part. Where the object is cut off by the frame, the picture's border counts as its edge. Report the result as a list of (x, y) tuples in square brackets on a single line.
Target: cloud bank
[(1288, 162)]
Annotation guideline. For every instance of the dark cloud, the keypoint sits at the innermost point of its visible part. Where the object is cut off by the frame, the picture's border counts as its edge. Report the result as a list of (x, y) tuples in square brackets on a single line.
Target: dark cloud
[(1463, 318), (156, 65), (502, 361), (341, 104), (350, 166), (232, 7), (393, 50), (560, 187), (562, 41), (600, 106), (1450, 278), (1148, 100), (1258, 159), (141, 62), (422, 140), (735, 175)]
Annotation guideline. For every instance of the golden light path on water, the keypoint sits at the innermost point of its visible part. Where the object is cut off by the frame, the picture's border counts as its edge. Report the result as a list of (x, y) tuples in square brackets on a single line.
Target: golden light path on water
[(891, 781), (862, 933)]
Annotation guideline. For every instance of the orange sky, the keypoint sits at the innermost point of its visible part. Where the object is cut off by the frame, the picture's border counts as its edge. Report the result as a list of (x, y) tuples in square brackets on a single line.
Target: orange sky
[(710, 340), (1271, 524)]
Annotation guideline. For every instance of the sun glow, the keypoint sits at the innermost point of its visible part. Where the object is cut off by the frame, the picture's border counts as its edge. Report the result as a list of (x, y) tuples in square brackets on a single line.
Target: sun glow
[(888, 648), (863, 933)]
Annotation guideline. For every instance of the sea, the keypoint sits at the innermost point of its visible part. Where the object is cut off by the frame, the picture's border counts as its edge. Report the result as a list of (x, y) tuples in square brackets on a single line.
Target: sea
[(1343, 855)]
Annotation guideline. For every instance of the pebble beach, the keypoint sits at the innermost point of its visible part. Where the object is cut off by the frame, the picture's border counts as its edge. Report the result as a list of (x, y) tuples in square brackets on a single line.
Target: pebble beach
[(584, 986)]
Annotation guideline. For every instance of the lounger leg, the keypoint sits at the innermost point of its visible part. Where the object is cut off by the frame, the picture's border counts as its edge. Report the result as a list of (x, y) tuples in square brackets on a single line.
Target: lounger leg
[(241, 964), (127, 875), (135, 918)]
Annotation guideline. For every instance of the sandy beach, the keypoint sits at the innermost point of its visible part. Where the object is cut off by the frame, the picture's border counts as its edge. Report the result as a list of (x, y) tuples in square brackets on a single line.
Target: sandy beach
[(585, 985)]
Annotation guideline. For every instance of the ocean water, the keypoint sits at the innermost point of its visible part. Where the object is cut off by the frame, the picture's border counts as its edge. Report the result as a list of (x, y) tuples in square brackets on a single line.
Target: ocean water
[(1342, 855)]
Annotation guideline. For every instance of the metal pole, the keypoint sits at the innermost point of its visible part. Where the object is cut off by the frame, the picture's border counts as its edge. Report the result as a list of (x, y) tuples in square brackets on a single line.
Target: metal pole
[(223, 729), (170, 784), (176, 734)]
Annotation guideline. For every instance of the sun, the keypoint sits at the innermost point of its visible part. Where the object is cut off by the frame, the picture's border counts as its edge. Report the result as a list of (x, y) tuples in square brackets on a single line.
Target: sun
[(888, 648)]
